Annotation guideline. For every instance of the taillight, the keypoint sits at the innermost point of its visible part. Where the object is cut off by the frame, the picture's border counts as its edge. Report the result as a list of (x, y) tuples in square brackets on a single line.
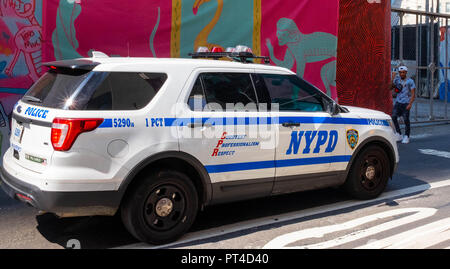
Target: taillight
[(65, 131)]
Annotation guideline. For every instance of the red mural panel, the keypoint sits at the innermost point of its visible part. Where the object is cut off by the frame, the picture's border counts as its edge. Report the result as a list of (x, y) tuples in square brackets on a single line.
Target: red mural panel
[(364, 53)]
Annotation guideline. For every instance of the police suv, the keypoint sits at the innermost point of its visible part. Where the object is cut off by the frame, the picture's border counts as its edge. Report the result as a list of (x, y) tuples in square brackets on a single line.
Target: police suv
[(156, 140)]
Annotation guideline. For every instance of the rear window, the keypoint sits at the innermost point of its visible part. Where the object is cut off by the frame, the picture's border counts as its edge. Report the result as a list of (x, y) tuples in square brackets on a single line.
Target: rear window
[(95, 90)]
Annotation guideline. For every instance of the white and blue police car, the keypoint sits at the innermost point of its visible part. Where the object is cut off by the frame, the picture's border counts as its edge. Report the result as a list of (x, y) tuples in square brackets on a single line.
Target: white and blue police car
[(156, 140)]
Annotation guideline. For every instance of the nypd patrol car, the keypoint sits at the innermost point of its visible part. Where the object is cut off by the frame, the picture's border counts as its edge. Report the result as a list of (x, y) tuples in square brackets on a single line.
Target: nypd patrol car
[(157, 140)]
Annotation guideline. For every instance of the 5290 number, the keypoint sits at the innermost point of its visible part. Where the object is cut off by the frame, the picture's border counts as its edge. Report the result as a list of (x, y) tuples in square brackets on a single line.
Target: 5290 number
[(122, 123)]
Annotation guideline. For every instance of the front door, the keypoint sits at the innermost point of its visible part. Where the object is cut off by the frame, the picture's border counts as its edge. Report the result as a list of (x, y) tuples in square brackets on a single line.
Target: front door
[(309, 141)]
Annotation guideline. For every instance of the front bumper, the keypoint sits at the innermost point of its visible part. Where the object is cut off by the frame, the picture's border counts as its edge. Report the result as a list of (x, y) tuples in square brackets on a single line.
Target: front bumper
[(63, 204)]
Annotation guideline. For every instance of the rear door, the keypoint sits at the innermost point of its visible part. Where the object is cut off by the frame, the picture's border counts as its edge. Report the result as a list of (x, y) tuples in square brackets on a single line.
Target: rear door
[(223, 129)]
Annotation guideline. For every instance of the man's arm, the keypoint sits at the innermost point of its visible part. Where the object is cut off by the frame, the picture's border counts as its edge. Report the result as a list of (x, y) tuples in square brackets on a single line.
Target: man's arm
[(394, 75), (413, 96)]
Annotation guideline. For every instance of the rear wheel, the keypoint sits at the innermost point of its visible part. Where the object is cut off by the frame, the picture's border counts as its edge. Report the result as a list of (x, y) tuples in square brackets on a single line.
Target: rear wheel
[(161, 207), (369, 174)]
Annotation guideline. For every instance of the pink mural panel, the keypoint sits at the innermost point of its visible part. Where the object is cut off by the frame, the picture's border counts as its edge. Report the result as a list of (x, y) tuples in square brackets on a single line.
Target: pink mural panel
[(125, 28), (302, 36)]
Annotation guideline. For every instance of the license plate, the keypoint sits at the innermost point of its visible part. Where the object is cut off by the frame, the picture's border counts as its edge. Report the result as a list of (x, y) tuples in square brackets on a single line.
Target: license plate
[(18, 133)]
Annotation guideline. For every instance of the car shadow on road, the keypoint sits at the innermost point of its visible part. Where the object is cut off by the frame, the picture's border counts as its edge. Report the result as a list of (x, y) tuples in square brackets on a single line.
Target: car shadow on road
[(108, 232), (96, 232)]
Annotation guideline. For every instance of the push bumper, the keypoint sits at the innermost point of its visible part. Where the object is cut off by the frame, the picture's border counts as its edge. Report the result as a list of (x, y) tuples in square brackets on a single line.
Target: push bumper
[(63, 204)]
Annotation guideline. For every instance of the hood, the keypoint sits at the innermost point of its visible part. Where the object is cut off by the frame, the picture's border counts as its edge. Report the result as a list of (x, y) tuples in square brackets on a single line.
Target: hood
[(365, 112)]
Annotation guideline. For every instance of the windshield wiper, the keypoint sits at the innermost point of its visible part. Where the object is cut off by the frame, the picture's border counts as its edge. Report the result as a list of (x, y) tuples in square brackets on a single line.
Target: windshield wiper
[(32, 99)]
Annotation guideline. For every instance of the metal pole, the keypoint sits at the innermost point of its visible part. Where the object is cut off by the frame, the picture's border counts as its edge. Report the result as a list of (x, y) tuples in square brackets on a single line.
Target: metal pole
[(401, 38), (432, 66), (446, 70), (417, 61), (420, 55)]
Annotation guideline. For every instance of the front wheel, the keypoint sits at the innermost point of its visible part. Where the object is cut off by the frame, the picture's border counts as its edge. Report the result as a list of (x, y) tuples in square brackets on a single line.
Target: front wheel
[(161, 207), (369, 174)]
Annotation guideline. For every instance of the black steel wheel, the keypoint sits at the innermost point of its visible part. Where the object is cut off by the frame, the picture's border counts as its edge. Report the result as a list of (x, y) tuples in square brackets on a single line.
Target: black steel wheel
[(164, 207), (369, 173), (161, 207)]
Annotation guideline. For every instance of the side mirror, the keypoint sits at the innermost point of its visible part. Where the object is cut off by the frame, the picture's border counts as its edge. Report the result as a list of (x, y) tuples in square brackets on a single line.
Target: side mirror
[(333, 108)]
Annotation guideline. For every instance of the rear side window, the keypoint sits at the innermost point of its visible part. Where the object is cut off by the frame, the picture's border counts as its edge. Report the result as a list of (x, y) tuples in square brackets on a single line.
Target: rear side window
[(95, 90), (219, 89)]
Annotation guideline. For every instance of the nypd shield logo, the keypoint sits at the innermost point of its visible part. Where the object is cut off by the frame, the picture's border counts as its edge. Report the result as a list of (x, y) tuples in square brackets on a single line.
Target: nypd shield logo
[(352, 138)]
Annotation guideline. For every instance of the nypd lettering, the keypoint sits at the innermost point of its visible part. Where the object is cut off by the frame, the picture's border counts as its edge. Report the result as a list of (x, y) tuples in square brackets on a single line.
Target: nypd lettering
[(315, 141), (36, 112)]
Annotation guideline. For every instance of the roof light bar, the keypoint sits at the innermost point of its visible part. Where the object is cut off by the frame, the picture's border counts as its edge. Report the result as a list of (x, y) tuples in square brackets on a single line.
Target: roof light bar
[(239, 53)]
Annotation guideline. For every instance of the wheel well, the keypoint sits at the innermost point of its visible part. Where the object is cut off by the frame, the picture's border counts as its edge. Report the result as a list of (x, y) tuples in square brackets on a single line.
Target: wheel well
[(174, 164)]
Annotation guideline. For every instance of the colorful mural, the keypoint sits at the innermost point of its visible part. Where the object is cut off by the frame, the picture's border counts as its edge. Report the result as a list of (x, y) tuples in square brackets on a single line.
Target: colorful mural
[(20, 55), (178, 28)]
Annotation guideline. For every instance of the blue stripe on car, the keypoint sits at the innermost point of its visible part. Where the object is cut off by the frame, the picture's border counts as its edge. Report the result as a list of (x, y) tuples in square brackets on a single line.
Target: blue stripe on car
[(232, 167)]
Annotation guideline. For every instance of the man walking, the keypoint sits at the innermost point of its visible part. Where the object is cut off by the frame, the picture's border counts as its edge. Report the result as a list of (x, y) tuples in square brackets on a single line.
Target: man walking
[(405, 90)]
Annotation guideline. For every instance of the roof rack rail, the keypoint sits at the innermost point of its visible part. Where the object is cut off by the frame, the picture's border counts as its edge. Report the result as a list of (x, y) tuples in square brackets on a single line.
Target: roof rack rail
[(235, 56), (99, 54)]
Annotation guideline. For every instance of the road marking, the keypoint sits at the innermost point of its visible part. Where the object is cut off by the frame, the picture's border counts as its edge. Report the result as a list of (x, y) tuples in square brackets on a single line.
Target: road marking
[(421, 237), (245, 225), (319, 232), (438, 153), (419, 136)]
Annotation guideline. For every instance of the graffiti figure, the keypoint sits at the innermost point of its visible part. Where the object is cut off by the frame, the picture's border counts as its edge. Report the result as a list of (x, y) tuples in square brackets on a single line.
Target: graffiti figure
[(202, 37), (28, 39), (306, 48), (64, 36)]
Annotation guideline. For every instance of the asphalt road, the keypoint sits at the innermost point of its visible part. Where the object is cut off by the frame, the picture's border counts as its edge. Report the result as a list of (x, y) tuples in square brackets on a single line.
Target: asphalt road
[(412, 213)]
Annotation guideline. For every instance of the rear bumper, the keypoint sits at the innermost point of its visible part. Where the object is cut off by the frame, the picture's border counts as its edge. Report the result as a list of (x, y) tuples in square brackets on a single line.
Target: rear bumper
[(63, 204)]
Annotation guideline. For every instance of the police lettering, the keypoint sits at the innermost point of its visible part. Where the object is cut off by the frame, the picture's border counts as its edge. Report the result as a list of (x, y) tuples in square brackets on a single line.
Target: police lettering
[(36, 112), (322, 138)]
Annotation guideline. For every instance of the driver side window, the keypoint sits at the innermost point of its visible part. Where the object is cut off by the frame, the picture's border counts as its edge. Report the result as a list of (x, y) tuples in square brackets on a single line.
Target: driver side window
[(292, 94)]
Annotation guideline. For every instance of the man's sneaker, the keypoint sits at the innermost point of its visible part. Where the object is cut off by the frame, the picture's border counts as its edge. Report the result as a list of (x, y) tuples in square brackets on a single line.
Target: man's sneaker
[(398, 137), (405, 139)]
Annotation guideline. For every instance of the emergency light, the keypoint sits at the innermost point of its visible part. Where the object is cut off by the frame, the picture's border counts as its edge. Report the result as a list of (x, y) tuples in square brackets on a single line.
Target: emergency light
[(240, 53)]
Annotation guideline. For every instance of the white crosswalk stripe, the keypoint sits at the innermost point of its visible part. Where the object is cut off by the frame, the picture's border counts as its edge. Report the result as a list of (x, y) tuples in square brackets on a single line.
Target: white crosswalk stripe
[(421, 237), (286, 239), (439, 153)]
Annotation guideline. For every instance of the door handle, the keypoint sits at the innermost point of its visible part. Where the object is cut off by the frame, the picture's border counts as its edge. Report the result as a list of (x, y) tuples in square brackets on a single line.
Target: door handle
[(291, 124)]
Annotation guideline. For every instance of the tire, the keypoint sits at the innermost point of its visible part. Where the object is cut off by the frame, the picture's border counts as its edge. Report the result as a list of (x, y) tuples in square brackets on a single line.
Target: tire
[(161, 207), (369, 174)]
